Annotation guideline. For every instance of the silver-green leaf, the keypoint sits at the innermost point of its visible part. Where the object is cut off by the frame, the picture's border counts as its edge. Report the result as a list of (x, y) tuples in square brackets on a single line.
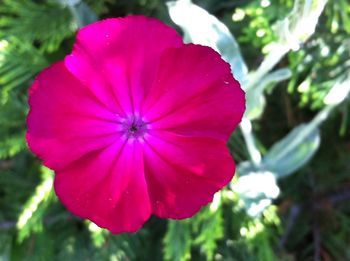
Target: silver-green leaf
[(200, 27), (292, 152)]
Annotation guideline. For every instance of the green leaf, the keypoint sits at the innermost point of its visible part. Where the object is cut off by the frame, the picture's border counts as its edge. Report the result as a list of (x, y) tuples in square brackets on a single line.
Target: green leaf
[(19, 62), (31, 218), (300, 24), (177, 241), (256, 188), (200, 27), (208, 225), (12, 145), (48, 24), (295, 29), (293, 151), (339, 91), (82, 13), (255, 96)]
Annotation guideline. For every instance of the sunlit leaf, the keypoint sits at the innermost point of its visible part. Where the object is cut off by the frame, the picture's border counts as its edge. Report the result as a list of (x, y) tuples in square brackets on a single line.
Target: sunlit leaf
[(209, 227), (48, 24), (294, 151), (30, 219), (255, 96), (256, 188), (300, 24), (200, 27), (82, 13), (339, 91)]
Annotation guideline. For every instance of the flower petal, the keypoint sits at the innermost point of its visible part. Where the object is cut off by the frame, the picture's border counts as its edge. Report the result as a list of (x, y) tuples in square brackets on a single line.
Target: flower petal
[(195, 94), (120, 56), (65, 120), (183, 173), (107, 187)]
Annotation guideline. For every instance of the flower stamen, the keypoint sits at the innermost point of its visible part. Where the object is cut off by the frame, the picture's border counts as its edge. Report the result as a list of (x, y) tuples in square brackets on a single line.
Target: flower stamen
[(134, 127)]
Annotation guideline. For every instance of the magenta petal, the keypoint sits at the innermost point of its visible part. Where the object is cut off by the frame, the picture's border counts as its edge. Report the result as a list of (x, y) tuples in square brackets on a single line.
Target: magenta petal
[(183, 173), (135, 123), (108, 187), (65, 120), (195, 94), (120, 56)]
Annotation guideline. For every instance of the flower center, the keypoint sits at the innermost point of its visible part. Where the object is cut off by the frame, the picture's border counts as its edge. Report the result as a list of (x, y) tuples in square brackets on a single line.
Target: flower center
[(134, 127)]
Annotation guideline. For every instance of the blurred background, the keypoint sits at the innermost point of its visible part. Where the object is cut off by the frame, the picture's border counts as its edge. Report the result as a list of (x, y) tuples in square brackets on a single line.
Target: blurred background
[(290, 197)]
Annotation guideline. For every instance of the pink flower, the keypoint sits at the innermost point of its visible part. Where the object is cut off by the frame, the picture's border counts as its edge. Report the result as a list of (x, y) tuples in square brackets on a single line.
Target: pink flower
[(134, 123)]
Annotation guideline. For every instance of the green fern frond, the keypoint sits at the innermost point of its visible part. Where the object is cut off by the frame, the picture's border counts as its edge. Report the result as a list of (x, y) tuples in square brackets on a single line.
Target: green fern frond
[(209, 226), (30, 220), (19, 63), (178, 241), (12, 145), (46, 24)]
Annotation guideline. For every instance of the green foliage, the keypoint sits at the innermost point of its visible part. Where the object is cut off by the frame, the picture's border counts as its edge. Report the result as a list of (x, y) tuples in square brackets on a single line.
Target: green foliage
[(19, 62), (46, 24), (178, 241), (99, 7), (314, 80), (30, 220), (208, 225), (12, 131), (12, 145), (294, 151)]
